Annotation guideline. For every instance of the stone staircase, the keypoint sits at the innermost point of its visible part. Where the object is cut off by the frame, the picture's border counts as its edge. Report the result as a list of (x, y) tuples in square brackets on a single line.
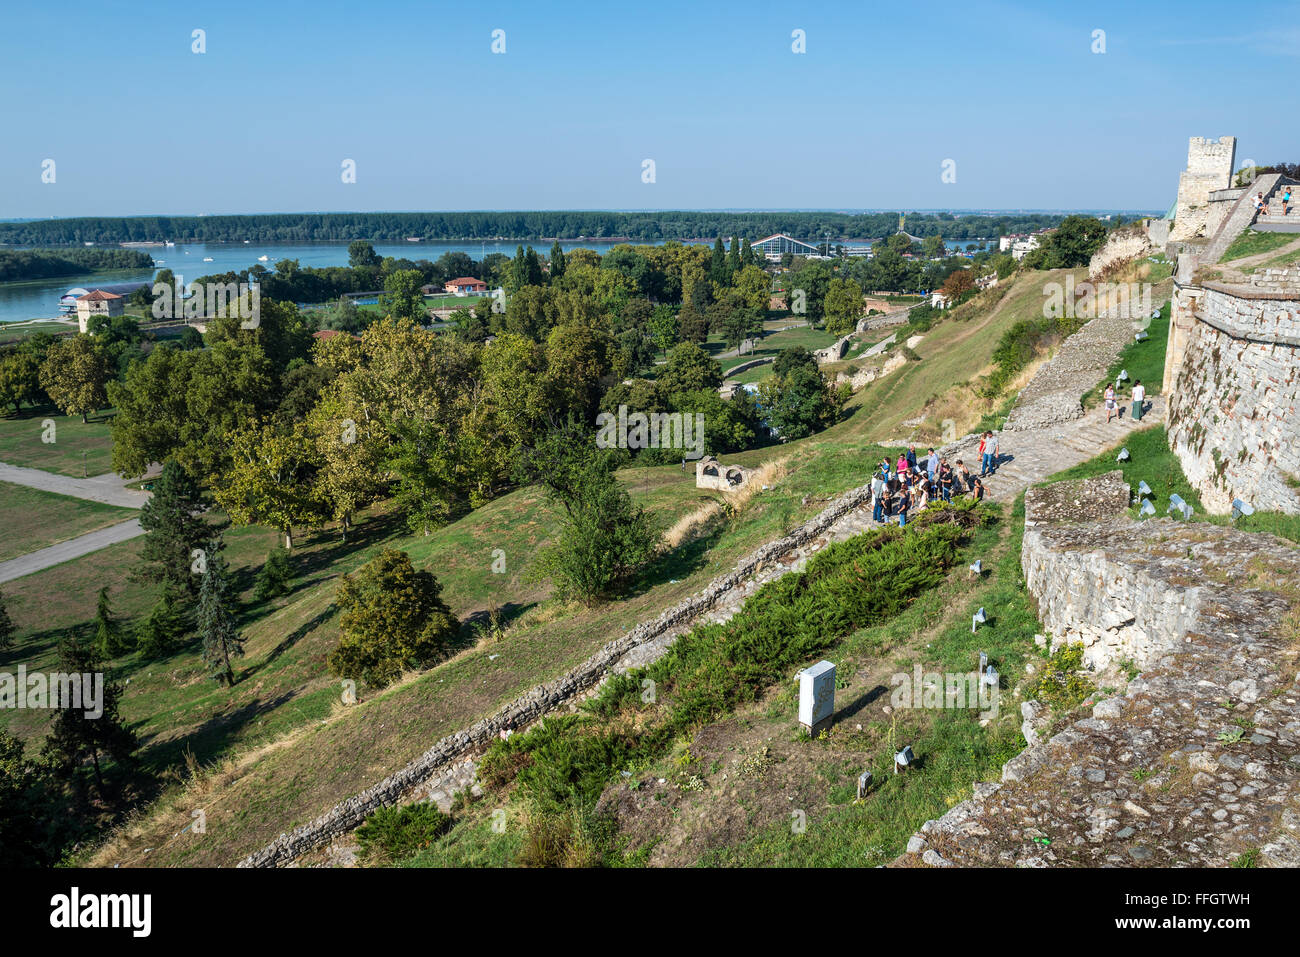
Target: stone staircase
[(1242, 216)]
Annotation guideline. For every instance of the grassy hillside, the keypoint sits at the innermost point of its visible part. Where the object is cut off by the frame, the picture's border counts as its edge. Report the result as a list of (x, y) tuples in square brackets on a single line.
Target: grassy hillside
[(282, 748)]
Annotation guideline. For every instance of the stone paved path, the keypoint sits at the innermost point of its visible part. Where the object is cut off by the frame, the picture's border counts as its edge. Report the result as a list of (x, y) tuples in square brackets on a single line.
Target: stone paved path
[(1031, 455), (72, 548)]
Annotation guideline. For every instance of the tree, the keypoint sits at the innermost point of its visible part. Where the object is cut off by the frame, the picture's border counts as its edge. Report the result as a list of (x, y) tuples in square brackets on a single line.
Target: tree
[(799, 403), (20, 378), (932, 247), (663, 327), (688, 368), (402, 297), (391, 619), (216, 620), (557, 261), (160, 634), (1073, 243), (74, 374), (20, 844), (604, 538), (733, 260), (718, 264), (362, 255), (691, 324), (75, 737), (276, 575), (110, 639), (6, 625), (173, 523), (272, 480), (842, 306)]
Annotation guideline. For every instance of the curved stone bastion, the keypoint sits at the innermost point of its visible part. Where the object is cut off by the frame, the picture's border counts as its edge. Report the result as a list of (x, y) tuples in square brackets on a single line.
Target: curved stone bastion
[(1197, 762)]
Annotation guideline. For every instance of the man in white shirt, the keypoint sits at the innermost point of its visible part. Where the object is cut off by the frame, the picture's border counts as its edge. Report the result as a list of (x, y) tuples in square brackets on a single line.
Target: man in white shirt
[(1139, 397)]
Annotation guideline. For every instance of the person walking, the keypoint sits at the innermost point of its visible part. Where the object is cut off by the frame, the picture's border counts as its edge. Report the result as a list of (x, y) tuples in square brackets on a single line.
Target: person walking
[(1139, 397), (1111, 408), (931, 464), (911, 457), (985, 457), (1286, 200), (992, 449), (945, 480), (877, 498), (904, 503)]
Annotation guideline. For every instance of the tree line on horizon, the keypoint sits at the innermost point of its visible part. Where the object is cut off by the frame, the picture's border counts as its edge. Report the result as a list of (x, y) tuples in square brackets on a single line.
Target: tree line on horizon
[(476, 226)]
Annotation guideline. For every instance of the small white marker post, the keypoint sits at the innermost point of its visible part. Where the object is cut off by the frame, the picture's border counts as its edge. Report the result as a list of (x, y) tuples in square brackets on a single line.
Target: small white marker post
[(817, 697)]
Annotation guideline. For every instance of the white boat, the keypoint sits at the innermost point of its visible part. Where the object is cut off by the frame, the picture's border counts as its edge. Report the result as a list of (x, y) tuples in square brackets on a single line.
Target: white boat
[(207, 259), (261, 259), (171, 244)]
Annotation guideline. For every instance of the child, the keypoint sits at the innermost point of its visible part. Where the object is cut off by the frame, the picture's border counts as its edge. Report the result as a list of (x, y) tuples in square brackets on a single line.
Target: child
[(1111, 408)]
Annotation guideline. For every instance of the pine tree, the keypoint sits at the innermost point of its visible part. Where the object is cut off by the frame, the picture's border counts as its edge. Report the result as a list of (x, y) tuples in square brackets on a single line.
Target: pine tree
[(718, 263), (557, 261), (733, 260), (160, 634), (75, 736), (173, 522), (274, 578), (110, 641), (747, 255), (532, 268), (221, 640), (6, 625)]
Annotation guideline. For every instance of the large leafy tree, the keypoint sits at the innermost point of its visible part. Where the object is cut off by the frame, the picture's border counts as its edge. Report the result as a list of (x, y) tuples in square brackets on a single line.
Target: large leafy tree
[(842, 306), (272, 480), (391, 619), (402, 298), (20, 378), (690, 367), (74, 375)]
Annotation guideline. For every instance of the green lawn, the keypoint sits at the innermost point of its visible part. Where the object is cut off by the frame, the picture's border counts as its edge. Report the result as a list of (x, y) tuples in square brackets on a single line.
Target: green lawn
[(22, 442), (1251, 243), (11, 332), (1144, 361), (32, 518)]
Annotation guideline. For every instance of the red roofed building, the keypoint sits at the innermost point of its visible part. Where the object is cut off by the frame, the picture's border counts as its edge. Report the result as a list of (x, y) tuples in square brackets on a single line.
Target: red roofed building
[(98, 303), (466, 286)]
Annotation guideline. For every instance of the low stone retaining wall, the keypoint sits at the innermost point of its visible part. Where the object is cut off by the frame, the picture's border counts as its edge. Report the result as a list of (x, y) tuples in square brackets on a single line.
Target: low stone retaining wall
[(542, 699)]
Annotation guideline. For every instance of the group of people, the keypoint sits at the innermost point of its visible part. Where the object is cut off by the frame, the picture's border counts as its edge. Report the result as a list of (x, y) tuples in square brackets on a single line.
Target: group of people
[(910, 485), (1138, 397), (1261, 205)]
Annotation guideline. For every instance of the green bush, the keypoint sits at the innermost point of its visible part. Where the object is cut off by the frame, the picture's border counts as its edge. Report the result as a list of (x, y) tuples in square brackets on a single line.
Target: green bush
[(392, 834), (1060, 686), (275, 577)]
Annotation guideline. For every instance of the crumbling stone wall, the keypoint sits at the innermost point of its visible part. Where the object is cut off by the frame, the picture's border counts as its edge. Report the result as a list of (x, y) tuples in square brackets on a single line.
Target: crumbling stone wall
[(1195, 763), (1233, 408), (1122, 245)]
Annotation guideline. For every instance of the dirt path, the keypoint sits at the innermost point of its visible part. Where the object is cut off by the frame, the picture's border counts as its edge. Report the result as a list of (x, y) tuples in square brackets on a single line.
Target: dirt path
[(67, 551)]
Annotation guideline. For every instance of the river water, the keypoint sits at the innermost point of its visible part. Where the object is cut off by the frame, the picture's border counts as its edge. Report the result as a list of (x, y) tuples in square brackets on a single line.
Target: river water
[(39, 299)]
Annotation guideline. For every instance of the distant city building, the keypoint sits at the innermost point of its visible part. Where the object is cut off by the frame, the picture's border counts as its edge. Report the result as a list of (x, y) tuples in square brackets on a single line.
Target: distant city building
[(939, 301), (97, 302), (774, 247), (858, 250), (466, 286)]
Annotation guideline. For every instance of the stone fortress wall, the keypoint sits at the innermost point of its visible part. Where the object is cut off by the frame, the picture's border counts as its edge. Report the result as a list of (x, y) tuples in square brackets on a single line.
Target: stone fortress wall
[(1232, 412), (1232, 365), (1209, 168)]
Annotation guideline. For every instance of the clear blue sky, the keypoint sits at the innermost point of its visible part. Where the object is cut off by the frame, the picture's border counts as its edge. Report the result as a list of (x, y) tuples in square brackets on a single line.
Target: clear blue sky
[(137, 123)]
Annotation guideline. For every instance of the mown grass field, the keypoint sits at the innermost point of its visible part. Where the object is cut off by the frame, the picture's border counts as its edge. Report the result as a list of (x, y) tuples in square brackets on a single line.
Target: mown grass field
[(1252, 243), (32, 518), (22, 442)]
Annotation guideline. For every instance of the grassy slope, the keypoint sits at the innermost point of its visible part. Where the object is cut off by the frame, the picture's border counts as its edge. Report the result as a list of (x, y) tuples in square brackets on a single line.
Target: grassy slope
[(327, 752), (1251, 243), (33, 519), (21, 442)]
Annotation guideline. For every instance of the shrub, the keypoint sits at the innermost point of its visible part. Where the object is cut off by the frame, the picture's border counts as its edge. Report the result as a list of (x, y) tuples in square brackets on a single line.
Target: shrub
[(276, 575), (393, 834), (391, 620), (1060, 686)]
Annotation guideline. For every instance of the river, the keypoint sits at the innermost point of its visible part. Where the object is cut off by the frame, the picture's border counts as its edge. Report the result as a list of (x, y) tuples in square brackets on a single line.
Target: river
[(39, 298)]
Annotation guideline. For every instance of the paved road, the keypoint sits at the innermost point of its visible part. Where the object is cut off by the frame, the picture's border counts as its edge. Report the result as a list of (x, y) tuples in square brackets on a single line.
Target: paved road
[(72, 548), (108, 488)]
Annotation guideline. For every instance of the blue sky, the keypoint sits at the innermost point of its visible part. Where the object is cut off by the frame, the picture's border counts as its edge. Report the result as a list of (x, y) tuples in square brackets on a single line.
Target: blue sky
[(137, 123)]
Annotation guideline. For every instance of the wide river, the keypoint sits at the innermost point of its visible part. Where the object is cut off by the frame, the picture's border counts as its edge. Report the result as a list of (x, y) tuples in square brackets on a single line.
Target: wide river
[(39, 299)]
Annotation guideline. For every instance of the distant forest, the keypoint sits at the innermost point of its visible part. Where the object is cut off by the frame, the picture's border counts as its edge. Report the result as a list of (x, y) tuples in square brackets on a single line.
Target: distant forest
[(396, 227), (18, 264)]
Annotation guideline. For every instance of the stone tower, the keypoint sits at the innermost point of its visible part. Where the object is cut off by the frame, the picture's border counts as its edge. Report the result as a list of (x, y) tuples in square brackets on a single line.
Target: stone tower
[(1209, 168)]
